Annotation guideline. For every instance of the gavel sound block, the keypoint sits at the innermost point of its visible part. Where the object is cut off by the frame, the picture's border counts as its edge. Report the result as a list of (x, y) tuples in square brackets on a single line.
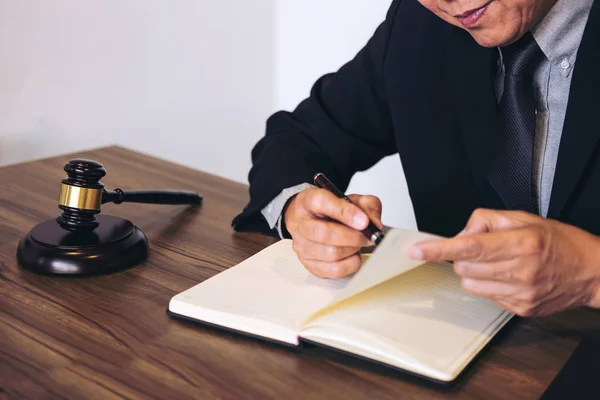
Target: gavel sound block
[(82, 242)]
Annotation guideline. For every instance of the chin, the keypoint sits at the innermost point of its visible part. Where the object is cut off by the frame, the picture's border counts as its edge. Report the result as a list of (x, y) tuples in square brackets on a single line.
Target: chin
[(488, 38)]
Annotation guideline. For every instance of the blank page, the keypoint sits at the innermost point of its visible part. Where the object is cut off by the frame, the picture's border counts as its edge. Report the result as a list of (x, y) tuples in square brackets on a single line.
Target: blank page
[(421, 320), (268, 294), (387, 261)]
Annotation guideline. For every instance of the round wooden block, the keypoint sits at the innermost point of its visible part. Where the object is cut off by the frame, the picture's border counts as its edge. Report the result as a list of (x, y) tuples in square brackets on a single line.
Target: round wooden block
[(114, 245)]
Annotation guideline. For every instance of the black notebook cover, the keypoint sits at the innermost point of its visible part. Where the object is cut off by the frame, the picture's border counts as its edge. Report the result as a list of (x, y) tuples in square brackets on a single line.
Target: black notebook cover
[(230, 330), (303, 343)]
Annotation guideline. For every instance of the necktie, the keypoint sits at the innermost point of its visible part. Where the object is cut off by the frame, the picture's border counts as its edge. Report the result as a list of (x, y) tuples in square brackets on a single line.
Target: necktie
[(511, 164)]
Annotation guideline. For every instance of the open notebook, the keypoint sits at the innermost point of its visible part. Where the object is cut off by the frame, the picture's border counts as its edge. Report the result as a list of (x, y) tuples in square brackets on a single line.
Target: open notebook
[(394, 310)]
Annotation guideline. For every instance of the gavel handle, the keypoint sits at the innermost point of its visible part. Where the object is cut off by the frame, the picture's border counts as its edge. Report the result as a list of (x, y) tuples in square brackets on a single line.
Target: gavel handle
[(119, 196)]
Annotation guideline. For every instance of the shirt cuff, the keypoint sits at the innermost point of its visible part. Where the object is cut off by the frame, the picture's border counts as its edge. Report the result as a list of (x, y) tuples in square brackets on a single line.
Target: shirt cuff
[(273, 211)]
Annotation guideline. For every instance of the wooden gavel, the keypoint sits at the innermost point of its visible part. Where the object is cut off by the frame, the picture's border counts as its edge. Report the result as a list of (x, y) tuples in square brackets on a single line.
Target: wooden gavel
[(81, 241), (82, 194)]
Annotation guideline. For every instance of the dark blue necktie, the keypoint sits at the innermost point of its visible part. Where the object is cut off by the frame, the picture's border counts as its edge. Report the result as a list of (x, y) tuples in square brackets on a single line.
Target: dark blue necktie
[(512, 158)]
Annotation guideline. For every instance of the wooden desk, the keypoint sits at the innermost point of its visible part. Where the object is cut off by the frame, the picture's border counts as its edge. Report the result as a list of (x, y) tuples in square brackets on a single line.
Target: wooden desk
[(109, 336)]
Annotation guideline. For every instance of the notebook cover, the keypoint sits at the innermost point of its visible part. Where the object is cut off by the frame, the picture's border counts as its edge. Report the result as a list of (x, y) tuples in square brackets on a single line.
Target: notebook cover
[(376, 362), (230, 330), (498, 336), (302, 341)]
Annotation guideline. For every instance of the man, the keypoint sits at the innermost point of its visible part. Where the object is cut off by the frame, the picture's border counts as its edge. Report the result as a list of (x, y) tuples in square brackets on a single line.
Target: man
[(493, 107)]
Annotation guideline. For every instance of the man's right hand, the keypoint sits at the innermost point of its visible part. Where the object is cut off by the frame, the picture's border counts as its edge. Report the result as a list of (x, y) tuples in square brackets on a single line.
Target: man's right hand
[(326, 230)]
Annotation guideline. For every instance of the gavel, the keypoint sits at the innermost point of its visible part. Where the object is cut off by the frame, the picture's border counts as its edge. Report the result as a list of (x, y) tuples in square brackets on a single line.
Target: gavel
[(81, 241)]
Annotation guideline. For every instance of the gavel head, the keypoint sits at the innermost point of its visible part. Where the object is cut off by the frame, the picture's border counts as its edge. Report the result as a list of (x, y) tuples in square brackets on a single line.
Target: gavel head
[(81, 195)]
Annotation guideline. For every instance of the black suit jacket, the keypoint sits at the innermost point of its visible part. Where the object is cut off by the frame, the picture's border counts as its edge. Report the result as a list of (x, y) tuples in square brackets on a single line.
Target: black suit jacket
[(424, 89)]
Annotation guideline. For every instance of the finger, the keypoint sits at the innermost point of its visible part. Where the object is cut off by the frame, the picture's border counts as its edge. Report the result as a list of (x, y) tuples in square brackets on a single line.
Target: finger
[(491, 289), (323, 203), (524, 310), (318, 252), (485, 220), (484, 247), (507, 306), (371, 205), (340, 269), (331, 233), (477, 223), (515, 270)]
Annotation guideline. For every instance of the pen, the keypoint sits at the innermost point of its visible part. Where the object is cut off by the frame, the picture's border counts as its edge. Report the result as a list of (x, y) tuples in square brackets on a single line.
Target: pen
[(372, 233)]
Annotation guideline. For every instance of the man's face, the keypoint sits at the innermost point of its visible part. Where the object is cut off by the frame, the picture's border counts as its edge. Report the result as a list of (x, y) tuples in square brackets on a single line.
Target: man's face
[(491, 22)]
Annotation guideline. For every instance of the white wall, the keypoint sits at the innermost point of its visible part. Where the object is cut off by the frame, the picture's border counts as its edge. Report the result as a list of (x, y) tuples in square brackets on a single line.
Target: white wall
[(315, 37), (188, 80), (171, 78)]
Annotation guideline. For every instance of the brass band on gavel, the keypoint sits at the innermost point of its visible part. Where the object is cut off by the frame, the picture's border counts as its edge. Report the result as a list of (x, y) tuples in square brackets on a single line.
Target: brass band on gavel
[(79, 197)]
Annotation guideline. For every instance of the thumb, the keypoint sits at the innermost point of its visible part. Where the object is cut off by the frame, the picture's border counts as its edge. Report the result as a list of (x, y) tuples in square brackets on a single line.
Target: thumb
[(371, 205), (485, 220)]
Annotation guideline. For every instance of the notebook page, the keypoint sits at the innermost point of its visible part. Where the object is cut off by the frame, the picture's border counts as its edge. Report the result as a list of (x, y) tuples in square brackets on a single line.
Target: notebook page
[(268, 295), (421, 320), (389, 259)]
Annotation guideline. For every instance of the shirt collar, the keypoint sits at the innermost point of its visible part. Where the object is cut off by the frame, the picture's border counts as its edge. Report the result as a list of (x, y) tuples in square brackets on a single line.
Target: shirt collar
[(559, 33)]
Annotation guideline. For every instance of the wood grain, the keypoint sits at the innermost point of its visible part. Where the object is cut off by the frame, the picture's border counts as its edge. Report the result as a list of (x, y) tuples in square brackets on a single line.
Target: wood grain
[(109, 336)]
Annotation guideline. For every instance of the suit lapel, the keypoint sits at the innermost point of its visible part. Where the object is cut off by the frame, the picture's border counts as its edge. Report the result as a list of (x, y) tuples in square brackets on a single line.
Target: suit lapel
[(582, 124), (473, 69)]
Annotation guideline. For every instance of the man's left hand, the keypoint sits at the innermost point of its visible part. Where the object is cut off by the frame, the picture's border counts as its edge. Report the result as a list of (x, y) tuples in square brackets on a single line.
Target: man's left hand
[(528, 265)]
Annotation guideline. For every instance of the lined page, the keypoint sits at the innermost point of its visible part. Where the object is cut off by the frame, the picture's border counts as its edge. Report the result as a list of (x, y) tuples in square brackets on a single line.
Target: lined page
[(268, 295), (389, 259), (421, 320)]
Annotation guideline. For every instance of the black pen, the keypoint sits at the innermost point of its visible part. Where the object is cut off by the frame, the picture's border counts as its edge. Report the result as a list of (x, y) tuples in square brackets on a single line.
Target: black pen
[(372, 232)]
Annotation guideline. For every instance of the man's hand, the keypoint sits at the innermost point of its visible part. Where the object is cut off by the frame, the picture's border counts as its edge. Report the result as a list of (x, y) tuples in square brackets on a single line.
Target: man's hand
[(326, 230), (528, 265)]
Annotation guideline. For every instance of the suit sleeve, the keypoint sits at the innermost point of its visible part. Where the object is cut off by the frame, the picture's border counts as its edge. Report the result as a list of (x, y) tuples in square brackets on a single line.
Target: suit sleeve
[(343, 127)]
